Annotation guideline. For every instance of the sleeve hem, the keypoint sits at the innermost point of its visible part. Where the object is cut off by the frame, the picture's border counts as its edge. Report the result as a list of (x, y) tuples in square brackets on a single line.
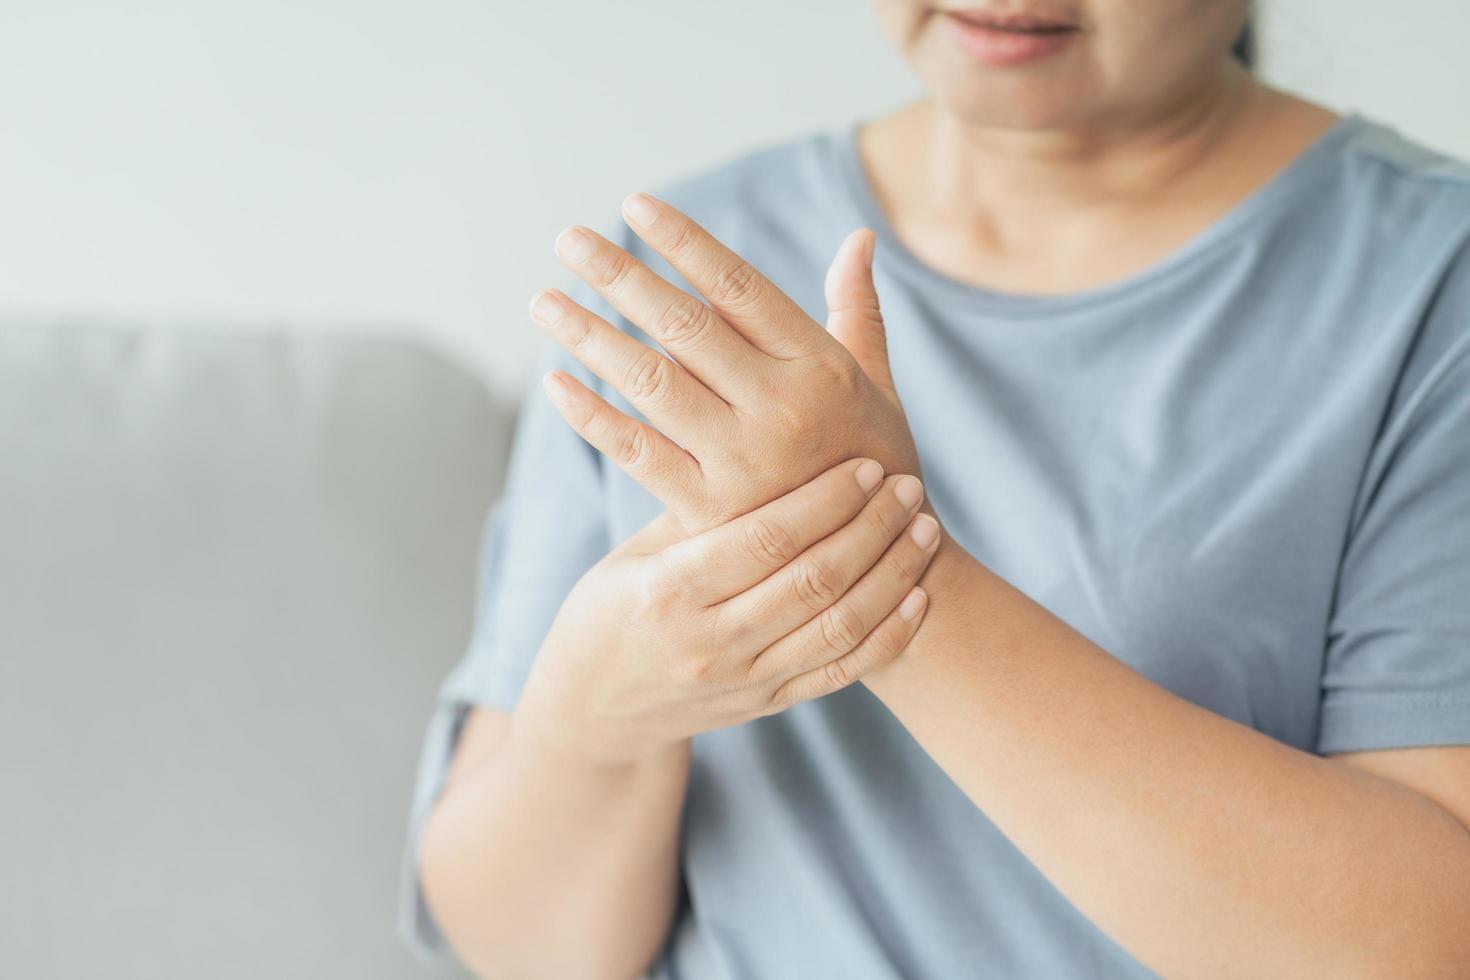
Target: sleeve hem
[(496, 689), (1393, 722)]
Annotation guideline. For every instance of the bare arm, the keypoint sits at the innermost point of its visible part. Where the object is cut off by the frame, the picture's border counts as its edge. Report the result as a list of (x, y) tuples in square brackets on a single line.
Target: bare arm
[(514, 827), (1202, 846), (552, 850)]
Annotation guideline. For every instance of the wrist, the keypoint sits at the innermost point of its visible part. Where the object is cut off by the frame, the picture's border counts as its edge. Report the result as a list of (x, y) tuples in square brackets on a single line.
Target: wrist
[(949, 579), (541, 737)]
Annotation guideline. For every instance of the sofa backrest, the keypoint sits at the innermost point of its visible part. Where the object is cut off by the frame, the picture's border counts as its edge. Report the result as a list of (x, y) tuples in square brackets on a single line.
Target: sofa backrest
[(234, 566)]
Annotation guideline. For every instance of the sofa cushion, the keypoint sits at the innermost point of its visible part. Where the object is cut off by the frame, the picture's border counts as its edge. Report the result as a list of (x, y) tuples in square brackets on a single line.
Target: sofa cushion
[(234, 566)]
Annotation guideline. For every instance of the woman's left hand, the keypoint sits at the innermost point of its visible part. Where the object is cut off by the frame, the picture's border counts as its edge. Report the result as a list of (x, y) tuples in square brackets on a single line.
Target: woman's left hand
[(757, 399)]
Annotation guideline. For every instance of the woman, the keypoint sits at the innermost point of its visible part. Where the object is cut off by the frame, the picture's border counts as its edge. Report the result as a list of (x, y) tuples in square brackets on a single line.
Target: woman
[(1184, 685)]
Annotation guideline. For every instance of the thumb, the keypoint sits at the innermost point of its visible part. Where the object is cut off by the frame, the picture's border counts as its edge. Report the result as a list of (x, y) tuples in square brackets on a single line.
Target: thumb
[(853, 316)]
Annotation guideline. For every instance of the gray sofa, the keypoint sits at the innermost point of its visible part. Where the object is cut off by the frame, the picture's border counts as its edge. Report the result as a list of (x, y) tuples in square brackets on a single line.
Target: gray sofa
[(234, 566)]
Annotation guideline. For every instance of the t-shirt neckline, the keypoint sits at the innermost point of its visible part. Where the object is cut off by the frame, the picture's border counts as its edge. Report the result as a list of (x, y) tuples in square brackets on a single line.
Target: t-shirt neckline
[(1266, 200)]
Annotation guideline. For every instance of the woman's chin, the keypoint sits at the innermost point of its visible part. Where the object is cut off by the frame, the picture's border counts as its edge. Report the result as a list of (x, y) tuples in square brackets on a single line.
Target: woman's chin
[(1009, 104)]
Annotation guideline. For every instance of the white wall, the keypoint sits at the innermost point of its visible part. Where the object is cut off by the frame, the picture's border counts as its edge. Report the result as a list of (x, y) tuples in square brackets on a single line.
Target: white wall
[(327, 161), (1403, 63)]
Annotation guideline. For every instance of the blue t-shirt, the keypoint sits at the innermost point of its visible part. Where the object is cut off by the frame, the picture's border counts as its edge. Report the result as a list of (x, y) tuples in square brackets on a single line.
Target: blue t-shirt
[(1243, 471)]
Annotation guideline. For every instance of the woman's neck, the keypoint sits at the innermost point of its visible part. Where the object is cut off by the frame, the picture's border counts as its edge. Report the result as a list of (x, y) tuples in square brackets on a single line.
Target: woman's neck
[(985, 171), (1056, 211)]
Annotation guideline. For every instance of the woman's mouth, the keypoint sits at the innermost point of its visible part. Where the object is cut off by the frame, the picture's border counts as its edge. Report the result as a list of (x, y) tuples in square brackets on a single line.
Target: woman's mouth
[(1002, 40)]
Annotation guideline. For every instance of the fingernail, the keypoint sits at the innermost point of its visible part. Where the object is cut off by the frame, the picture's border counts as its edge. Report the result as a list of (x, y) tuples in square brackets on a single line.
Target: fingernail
[(926, 530), (553, 386), (909, 491), (573, 244), (640, 208), (912, 604), (546, 307), (869, 474)]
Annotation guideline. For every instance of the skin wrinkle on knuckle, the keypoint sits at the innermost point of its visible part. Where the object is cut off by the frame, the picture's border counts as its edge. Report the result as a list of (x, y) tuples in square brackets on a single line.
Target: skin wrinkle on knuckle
[(769, 542), (783, 697), (632, 447), (584, 417), (612, 270), (900, 565), (648, 376), (682, 239), (884, 518), (683, 322), (812, 585), (837, 674), (841, 628), (735, 285)]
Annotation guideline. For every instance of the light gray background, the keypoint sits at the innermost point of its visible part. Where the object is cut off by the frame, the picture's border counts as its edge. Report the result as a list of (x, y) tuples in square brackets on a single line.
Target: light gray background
[(234, 568), (327, 160)]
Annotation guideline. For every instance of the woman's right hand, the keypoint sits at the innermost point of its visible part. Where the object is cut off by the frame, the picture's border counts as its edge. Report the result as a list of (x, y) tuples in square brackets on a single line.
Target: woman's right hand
[(669, 635)]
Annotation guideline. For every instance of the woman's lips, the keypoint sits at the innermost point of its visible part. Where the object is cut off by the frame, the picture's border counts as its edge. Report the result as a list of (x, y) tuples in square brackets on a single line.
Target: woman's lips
[(1001, 41)]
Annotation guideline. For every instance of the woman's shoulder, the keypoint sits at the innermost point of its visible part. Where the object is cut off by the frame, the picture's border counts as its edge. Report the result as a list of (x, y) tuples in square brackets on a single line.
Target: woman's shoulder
[(1389, 211), (1419, 222), (1375, 141), (1403, 179)]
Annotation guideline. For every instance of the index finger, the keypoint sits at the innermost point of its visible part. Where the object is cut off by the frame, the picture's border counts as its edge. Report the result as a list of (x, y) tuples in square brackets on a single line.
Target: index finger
[(726, 560), (748, 301)]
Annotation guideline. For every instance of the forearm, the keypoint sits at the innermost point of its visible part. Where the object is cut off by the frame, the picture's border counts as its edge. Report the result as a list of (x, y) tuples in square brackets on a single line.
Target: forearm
[(537, 864), (1202, 846)]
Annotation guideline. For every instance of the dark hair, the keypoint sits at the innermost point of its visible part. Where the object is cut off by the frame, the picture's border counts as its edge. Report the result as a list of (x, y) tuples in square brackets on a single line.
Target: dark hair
[(1244, 47)]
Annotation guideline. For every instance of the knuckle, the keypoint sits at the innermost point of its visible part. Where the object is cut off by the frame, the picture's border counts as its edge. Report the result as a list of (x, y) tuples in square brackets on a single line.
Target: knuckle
[(806, 438), (579, 330), (583, 416), (889, 644), (614, 270), (837, 371), (682, 239), (648, 376), (842, 629), (794, 417), (837, 674), (885, 518), (683, 321), (735, 285), (662, 586), (769, 542), (782, 698), (802, 426), (842, 371), (631, 447), (813, 585), (901, 565), (696, 668)]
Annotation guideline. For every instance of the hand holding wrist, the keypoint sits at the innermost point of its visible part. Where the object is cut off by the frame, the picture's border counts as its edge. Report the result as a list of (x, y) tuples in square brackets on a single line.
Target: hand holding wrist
[(661, 641)]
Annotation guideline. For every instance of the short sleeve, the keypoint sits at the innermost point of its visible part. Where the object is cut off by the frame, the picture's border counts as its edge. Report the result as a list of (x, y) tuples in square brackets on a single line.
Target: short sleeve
[(548, 528), (1397, 671)]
